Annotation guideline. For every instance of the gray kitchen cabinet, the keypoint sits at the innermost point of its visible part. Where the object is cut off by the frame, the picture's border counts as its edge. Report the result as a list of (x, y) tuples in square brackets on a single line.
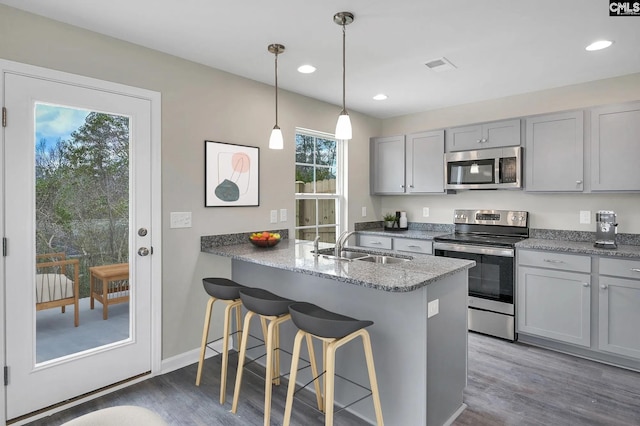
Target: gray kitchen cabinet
[(387, 165), (615, 148), (424, 162), (554, 146), (412, 245), (414, 166), (553, 296), (375, 241), (618, 302), (486, 135)]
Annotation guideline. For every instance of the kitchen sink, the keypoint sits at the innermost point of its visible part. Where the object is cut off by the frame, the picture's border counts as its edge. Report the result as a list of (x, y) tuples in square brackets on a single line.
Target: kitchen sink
[(353, 254), (374, 258)]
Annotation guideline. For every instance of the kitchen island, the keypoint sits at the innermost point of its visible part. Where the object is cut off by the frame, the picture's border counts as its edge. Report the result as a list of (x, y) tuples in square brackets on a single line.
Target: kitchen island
[(421, 362)]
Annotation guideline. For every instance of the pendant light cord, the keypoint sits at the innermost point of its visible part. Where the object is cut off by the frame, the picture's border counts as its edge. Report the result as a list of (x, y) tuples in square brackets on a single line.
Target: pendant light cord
[(344, 73), (277, 88)]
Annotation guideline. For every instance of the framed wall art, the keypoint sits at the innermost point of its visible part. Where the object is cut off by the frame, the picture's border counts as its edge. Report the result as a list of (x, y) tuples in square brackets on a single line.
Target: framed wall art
[(232, 175)]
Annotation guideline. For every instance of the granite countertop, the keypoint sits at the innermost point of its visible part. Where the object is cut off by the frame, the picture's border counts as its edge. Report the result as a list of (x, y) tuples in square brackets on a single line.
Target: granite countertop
[(297, 256), (579, 247)]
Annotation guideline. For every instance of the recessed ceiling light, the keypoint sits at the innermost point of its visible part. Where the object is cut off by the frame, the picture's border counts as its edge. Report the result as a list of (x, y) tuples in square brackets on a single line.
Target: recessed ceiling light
[(380, 97), (306, 69), (599, 45)]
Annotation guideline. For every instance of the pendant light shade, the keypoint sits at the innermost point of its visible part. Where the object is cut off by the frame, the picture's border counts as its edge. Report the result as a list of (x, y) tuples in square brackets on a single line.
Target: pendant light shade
[(276, 141), (343, 127)]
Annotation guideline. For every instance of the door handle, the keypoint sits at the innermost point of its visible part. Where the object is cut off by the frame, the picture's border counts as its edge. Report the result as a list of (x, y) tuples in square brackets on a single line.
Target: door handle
[(143, 251)]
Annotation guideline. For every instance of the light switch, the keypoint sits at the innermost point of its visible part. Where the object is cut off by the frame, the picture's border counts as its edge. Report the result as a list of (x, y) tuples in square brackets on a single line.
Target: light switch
[(180, 220), (425, 212), (283, 215), (364, 211), (274, 216), (433, 308)]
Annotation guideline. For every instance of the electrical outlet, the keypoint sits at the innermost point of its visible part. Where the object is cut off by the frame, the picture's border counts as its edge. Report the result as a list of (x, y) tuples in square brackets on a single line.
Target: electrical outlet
[(180, 220), (585, 217), (425, 212), (433, 308), (364, 211), (274, 216), (283, 215)]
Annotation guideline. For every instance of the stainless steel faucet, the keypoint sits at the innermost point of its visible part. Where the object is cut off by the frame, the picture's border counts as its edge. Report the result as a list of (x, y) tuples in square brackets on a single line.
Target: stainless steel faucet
[(316, 245), (341, 241)]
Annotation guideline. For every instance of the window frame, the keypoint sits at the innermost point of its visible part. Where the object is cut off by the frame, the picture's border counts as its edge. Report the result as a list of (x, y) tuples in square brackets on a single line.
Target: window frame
[(338, 196)]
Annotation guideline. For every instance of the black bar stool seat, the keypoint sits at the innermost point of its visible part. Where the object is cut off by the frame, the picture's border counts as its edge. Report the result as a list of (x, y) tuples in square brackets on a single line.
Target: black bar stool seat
[(263, 302), (320, 322), (222, 288), (227, 291), (334, 330)]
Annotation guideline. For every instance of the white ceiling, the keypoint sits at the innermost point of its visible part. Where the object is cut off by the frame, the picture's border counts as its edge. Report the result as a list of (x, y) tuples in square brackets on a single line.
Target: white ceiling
[(500, 47)]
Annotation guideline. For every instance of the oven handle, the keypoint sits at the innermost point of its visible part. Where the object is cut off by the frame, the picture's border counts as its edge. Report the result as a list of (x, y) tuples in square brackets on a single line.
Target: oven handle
[(490, 251)]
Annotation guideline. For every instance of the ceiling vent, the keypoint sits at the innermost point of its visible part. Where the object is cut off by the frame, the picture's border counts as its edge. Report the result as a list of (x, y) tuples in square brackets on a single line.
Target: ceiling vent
[(440, 65)]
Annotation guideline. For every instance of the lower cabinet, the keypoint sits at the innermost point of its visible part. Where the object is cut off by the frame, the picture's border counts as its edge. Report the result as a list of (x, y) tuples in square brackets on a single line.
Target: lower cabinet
[(374, 241), (395, 243), (556, 300), (554, 304), (619, 307)]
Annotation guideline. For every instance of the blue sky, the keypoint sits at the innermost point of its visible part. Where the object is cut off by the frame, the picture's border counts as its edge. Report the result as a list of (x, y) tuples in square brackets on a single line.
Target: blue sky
[(56, 122)]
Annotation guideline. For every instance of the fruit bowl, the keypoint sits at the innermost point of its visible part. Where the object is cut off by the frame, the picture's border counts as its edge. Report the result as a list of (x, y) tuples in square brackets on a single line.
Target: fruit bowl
[(264, 239)]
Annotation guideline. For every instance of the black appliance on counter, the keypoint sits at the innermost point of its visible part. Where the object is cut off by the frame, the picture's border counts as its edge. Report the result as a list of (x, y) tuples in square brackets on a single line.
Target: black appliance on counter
[(489, 238)]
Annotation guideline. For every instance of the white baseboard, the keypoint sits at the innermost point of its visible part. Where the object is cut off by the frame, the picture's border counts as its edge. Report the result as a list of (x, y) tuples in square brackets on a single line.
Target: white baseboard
[(187, 358)]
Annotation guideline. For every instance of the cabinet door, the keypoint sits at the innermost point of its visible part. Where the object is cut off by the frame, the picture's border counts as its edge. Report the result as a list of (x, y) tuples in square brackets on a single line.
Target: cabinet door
[(425, 162), (615, 148), (554, 304), (501, 133), (387, 165), (619, 316), (554, 152), (374, 241), (464, 138), (414, 246)]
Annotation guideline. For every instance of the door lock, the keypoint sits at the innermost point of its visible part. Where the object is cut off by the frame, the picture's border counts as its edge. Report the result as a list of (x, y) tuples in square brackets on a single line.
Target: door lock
[(142, 232), (143, 251)]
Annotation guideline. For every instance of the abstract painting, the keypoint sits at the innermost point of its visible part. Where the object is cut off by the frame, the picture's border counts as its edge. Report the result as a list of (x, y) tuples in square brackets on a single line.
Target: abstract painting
[(231, 175)]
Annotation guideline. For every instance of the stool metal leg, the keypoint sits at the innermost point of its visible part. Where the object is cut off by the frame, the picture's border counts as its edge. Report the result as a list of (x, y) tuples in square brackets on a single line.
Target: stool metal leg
[(205, 337), (243, 351), (225, 346)]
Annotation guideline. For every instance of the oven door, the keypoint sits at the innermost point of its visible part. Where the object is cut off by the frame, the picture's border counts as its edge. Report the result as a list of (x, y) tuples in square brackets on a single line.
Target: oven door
[(491, 281)]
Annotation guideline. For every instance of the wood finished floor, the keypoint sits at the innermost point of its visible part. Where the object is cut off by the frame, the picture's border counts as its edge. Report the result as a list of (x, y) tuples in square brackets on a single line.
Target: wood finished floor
[(509, 384)]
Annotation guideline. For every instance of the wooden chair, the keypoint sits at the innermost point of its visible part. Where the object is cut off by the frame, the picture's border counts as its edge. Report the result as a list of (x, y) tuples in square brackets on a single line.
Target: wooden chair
[(57, 283)]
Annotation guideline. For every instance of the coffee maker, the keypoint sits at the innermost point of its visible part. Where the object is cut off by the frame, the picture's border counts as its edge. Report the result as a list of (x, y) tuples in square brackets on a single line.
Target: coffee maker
[(606, 229)]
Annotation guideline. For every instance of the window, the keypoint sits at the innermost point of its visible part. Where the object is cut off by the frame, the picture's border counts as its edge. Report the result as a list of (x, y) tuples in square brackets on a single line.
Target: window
[(318, 185)]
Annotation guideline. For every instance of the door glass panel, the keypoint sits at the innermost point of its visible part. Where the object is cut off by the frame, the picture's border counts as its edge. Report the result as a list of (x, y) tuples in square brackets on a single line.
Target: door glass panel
[(82, 230)]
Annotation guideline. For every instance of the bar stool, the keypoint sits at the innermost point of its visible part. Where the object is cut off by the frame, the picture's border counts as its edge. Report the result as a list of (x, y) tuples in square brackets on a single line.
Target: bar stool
[(227, 291), (275, 309), (334, 330)]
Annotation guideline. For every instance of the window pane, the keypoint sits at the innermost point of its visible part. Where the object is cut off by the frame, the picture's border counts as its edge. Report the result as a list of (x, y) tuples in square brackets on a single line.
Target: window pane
[(304, 149), (326, 212), (327, 235), (306, 213), (325, 181), (304, 179), (307, 234), (326, 152)]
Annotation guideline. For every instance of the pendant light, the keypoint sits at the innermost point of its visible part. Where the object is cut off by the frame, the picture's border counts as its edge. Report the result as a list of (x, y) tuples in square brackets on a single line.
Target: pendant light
[(276, 140), (343, 127)]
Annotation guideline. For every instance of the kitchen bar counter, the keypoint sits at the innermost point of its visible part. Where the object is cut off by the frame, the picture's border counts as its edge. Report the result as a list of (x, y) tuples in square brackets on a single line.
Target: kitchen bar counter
[(419, 335), (579, 247)]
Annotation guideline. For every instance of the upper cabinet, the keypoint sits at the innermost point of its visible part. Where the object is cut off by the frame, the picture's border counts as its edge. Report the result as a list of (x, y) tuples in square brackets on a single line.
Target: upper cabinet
[(407, 167), (387, 165), (554, 152), (615, 148), (487, 135)]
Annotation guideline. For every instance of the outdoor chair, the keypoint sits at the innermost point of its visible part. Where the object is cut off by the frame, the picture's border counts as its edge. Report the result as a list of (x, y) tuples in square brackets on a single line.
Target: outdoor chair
[(57, 283)]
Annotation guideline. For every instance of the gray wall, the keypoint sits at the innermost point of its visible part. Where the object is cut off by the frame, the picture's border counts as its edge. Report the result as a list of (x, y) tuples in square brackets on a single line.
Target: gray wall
[(198, 103)]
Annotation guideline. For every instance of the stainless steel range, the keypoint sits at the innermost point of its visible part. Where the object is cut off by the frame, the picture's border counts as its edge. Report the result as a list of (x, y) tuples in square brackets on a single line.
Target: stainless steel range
[(489, 238)]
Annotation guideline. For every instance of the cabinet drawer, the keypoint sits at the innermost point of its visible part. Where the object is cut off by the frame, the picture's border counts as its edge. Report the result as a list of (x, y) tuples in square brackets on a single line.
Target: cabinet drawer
[(555, 260), (620, 268), (415, 246), (374, 241)]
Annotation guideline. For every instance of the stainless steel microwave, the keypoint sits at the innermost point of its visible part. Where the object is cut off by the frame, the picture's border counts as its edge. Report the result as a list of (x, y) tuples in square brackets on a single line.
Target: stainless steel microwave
[(499, 168)]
